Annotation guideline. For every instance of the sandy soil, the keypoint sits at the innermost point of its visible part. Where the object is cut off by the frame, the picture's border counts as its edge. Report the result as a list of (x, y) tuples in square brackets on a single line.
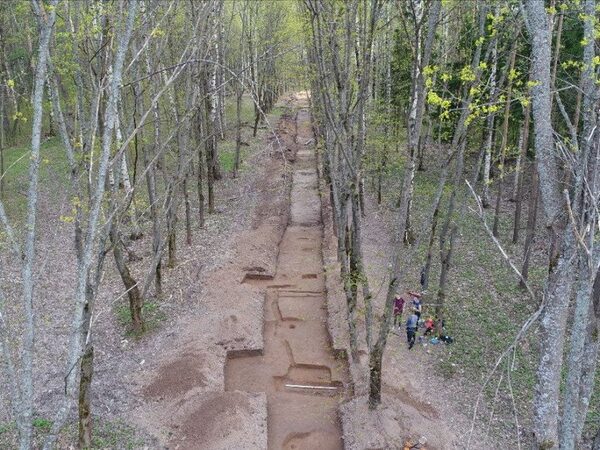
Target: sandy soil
[(297, 367), (186, 403)]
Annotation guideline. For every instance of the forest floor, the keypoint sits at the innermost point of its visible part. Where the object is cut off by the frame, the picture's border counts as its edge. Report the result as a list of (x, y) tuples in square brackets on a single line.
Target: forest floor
[(202, 314), (279, 332), (230, 301)]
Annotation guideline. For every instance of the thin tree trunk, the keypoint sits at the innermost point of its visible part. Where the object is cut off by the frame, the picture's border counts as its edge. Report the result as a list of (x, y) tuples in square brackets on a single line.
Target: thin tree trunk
[(213, 97), (188, 211), (428, 258), (131, 286), (25, 413), (380, 173), (417, 103), (2, 141), (519, 174), (151, 183), (487, 164), (238, 130), (85, 390), (199, 134), (504, 143), (209, 142), (489, 129), (531, 225)]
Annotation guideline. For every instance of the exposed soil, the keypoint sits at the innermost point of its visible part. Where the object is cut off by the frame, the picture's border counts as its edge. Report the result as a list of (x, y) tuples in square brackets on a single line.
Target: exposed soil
[(185, 403), (297, 367), (181, 376), (252, 310), (420, 408)]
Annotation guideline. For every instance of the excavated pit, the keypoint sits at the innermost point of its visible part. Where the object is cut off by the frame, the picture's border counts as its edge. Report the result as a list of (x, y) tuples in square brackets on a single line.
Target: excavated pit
[(303, 377)]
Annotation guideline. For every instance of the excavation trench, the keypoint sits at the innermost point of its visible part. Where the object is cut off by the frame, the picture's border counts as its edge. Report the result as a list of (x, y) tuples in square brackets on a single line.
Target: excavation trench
[(297, 368)]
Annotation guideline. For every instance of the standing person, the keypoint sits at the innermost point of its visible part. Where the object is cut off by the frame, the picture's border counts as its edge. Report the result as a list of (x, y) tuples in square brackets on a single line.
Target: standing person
[(416, 304), (411, 329), (398, 309)]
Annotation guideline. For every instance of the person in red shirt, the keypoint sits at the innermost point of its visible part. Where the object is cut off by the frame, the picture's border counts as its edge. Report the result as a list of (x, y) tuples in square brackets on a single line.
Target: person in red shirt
[(429, 326), (398, 309)]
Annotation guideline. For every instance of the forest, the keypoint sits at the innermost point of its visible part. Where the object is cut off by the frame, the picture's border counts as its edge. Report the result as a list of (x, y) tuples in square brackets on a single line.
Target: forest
[(299, 224)]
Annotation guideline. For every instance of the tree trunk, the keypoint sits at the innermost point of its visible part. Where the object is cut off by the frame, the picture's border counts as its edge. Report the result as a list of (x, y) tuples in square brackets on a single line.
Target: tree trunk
[(213, 98), (553, 318), (489, 129), (570, 419), (188, 211), (209, 149), (428, 258), (585, 193), (93, 253), (172, 243), (131, 286), (2, 142), (151, 166), (25, 411), (531, 225), (375, 367), (519, 174), (590, 359), (513, 56), (417, 102), (238, 130), (85, 391), (200, 183)]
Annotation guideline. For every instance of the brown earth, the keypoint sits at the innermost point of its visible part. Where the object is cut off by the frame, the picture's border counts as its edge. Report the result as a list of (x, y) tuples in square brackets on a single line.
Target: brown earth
[(185, 404), (282, 323), (297, 367), (204, 312), (250, 308), (282, 382)]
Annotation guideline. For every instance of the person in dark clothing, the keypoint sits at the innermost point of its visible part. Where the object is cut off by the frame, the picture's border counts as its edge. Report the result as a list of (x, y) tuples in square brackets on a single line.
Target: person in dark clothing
[(416, 304), (411, 329), (398, 308)]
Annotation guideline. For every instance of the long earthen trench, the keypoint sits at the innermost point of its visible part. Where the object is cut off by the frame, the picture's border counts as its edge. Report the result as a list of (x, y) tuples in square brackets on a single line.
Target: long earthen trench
[(298, 369)]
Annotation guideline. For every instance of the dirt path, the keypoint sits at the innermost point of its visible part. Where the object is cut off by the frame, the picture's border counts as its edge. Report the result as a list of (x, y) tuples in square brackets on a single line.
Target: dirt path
[(254, 367), (297, 368)]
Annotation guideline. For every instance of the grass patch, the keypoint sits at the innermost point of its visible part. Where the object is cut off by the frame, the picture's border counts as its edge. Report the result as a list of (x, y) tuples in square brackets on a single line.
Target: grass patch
[(246, 113), (53, 171), (6, 427), (106, 434), (42, 424), (151, 312), (227, 155), (116, 435)]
